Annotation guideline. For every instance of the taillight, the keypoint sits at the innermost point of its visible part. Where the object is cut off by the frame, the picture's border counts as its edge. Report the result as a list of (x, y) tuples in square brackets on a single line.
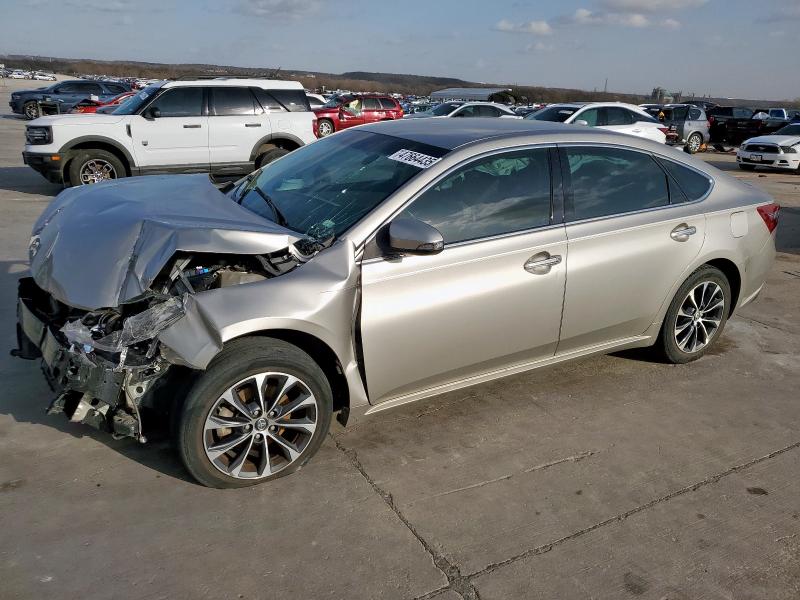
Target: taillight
[(315, 127), (78, 109), (769, 212), (664, 130), (711, 121)]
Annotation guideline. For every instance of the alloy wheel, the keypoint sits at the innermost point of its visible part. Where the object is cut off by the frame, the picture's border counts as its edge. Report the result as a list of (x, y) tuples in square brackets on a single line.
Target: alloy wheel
[(96, 170), (694, 143), (32, 110), (260, 425), (699, 317), (325, 128)]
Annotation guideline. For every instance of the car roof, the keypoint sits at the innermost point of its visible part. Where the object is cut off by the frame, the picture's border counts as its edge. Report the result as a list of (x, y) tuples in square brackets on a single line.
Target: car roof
[(269, 84), (452, 133)]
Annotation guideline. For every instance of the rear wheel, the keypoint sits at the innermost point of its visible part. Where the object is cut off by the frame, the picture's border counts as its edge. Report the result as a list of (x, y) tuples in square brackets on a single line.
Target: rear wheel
[(696, 316), (93, 166), (269, 156), (31, 110), (694, 143), (325, 127), (260, 411)]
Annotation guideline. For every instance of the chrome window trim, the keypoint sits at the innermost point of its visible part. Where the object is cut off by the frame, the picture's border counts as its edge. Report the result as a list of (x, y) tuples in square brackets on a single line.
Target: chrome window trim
[(450, 171), (643, 210)]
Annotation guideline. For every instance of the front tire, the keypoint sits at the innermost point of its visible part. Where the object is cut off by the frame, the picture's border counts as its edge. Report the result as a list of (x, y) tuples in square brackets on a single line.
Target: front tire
[(696, 316), (325, 128), (31, 110), (94, 166), (260, 411)]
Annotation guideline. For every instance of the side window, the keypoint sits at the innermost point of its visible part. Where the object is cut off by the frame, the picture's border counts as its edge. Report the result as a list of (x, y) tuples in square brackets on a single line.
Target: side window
[(292, 100), (591, 116), (694, 185), (610, 181), (491, 196), (743, 113), (372, 104), (267, 100), (616, 115), (489, 111), (180, 102), (694, 114), (467, 111), (68, 88), (639, 118), (232, 101), (115, 89), (387, 104)]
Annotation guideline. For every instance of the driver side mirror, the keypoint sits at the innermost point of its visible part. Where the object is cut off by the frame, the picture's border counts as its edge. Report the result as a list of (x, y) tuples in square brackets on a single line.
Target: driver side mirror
[(412, 236), (582, 122), (151, 113)]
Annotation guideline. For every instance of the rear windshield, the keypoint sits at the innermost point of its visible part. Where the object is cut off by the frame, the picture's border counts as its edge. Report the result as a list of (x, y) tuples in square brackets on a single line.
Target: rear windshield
[(676, 113), (556, 114)]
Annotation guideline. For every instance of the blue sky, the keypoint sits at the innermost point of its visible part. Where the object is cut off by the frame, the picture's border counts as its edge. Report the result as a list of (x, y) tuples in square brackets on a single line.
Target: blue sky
[(733, 48)]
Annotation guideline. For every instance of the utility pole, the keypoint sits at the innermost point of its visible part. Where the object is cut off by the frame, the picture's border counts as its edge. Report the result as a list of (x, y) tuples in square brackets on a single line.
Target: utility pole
[(605, 87)]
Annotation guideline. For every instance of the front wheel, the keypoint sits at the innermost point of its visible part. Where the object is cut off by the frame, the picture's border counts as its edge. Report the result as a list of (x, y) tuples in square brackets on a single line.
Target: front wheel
[(94, 166), (260, 411), (31, 110), (696, 316), (325, 128)]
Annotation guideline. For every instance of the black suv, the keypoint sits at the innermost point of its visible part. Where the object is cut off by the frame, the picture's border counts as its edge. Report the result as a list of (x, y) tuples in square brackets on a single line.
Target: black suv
[(63, 95)]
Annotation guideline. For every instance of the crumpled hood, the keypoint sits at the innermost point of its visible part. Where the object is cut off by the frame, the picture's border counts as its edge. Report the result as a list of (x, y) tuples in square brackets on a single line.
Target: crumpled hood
[(101, 245)]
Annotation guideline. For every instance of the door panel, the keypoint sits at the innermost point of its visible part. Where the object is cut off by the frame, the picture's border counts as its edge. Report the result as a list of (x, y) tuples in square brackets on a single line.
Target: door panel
[(235, 125), (474, 308), (621, 267)]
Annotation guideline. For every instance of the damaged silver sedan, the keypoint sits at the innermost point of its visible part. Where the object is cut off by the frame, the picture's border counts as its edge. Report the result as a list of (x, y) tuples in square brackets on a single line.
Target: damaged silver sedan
[(379, 266)]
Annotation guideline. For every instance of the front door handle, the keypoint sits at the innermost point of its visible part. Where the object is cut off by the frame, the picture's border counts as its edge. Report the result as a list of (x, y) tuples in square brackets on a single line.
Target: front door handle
[(541, 263), (252, 124), (197, 126), (682, 233)]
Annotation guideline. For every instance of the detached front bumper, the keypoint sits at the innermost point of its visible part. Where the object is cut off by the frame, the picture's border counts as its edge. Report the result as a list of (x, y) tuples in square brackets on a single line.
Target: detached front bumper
[(48, 164), (90, 388)]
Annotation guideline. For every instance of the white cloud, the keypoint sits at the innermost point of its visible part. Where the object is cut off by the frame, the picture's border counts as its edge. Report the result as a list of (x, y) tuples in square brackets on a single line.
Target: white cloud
[(100, 5), (279, 9), (584, 16), (539, 47), (650, 6), (534, 27), (671, 24)]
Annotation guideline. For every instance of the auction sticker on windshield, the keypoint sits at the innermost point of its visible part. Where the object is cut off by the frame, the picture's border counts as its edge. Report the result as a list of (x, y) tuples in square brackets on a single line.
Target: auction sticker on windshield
[(416, 159)]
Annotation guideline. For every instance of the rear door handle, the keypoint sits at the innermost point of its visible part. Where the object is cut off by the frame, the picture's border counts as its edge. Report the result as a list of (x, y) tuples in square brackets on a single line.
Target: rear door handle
[(682, 233), (541, 263), (192, 126), (252, 124)]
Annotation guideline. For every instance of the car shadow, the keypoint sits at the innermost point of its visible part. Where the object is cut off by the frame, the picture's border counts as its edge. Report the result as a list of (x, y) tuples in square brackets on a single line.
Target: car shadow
[(25, 180), (26, 395), (788, 234)]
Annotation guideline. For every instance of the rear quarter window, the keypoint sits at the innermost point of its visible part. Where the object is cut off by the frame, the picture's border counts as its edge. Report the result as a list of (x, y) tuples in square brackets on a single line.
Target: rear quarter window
[(693, 184), (388, 104), (291, 100)]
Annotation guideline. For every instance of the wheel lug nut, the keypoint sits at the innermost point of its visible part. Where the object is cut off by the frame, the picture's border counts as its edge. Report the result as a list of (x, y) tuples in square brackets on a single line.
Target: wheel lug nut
[(273, 414), (272, 428), (256, 412), (258, 436), (248, 427)]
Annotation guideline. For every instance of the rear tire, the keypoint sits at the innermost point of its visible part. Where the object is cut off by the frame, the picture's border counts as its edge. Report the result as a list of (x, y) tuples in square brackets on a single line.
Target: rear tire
[(696, 316), (93, 166), (240, 363), (694, 143), (269, 156), (31, 110)]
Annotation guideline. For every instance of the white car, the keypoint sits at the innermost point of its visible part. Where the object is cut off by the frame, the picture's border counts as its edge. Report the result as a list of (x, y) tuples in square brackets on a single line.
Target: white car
[(223, 126), (614, 116), (18, 75), (44, 77), (465, 109), (780, 150), (315, 100)]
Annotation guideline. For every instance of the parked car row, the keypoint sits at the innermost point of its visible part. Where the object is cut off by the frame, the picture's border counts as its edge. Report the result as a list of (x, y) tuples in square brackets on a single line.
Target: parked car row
[(63, 96), (22, 74)]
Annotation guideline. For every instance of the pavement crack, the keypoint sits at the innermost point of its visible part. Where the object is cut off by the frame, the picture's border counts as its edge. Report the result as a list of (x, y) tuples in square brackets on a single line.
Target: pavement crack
[(573, 458), (455, 580), (624, 515)]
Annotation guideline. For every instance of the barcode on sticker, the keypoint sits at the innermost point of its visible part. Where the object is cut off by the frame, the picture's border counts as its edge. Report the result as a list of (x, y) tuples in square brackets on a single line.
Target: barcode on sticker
[(416, 159)]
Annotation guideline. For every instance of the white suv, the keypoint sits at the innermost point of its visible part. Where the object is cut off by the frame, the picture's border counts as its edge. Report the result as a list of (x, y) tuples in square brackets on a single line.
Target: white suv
[(224, 126)]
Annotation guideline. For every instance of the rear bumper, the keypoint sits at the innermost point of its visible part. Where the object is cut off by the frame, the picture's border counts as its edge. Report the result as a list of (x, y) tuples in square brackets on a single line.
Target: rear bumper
[(48, 164)]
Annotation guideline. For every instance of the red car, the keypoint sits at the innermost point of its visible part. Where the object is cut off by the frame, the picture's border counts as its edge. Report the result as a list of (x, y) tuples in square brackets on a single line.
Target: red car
[(355, 109), (90, 106)]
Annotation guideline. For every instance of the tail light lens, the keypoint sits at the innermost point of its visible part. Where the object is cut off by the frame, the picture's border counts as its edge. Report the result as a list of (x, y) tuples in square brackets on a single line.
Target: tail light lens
[(664, 130), (769, 212), (315, 127), (78, 109)]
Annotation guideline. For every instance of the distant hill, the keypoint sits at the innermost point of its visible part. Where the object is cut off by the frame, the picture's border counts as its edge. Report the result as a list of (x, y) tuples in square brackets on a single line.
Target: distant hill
[(364, 81)]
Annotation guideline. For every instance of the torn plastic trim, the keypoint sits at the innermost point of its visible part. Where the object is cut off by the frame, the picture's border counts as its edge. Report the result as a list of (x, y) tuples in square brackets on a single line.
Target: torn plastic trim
[(137, 328)]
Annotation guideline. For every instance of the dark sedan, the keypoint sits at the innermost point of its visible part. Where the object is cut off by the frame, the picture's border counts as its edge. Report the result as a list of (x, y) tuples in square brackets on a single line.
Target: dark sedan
[(63, 96)]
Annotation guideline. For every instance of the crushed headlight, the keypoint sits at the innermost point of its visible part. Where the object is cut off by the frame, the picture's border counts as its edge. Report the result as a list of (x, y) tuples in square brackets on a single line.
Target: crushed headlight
[(38, 135)]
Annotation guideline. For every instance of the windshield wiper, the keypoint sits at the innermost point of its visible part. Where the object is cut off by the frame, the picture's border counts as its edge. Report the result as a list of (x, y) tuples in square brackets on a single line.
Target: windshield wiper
[(279, 218)]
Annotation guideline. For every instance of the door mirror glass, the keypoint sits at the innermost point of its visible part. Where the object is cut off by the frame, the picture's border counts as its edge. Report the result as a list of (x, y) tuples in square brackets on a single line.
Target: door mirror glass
[(412, 236), (582, 122), (152, 113)]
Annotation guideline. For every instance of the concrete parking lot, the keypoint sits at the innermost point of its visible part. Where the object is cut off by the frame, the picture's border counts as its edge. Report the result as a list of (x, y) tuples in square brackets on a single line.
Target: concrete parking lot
[(611, 477)]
